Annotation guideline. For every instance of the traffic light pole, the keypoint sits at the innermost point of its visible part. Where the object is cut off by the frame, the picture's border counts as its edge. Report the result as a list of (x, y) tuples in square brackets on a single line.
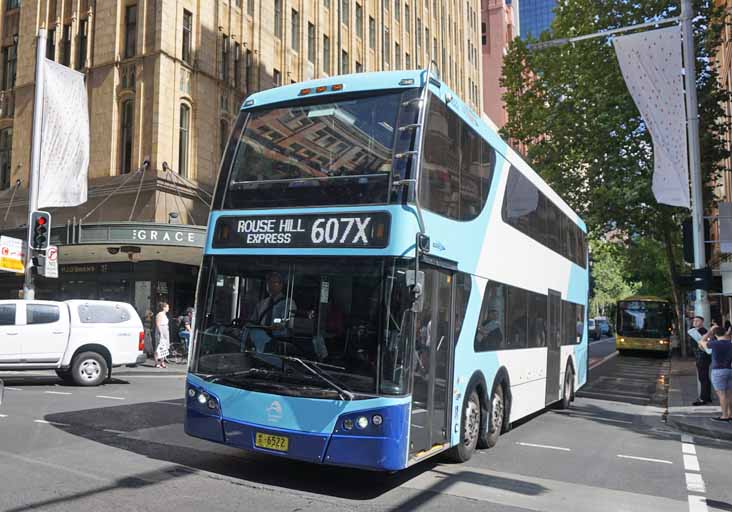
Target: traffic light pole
[(29, 291), (701, 304)]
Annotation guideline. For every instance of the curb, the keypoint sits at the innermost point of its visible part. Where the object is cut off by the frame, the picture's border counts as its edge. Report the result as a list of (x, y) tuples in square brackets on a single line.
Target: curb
[(698, 429)]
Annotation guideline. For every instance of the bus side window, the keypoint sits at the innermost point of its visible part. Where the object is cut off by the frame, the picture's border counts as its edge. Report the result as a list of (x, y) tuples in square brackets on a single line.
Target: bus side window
[(490, 333)]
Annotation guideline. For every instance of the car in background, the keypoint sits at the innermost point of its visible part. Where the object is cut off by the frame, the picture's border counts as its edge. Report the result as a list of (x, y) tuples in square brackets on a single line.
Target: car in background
[(603, 325), (592, 331), (82, 340)]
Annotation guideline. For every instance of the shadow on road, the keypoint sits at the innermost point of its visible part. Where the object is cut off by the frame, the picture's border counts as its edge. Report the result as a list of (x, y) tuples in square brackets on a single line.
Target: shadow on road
[(46, 380)]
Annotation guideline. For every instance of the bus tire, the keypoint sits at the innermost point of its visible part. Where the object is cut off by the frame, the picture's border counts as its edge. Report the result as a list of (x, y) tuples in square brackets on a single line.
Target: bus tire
[(568, 389), (496, 419), (470, 429)]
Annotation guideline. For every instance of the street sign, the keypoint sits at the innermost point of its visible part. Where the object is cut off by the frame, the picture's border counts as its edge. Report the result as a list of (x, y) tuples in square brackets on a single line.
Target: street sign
[(50, 267), (11, 254)]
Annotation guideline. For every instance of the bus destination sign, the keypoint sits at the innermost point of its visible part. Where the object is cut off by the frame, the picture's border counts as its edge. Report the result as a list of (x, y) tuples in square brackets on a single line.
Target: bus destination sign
[(344, 229)]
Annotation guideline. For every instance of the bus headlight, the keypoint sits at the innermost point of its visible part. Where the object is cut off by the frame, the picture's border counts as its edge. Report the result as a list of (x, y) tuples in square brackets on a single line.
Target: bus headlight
[(362, 422), (348, 424), (202, 398), (191, 392), (377, 419)]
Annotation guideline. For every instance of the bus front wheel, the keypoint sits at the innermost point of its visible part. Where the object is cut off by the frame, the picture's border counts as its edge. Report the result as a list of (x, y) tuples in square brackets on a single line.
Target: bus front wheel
[(568, 389), (470, 429)]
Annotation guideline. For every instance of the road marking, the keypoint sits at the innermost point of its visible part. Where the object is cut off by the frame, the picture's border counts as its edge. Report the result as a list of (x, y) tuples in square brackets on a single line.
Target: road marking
[(688, 448), (694, 483), (691, 463), (545, 446), (575, 414), (46, 422), (3, 415), (697, 503), (646, 459), (686, 438), (13, 389), (603, 360), (112, 431), (57, 393), (169, 403), (110, 397)]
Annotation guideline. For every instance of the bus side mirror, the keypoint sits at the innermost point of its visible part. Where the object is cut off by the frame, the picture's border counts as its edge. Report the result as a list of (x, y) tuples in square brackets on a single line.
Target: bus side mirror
[(415, 283)]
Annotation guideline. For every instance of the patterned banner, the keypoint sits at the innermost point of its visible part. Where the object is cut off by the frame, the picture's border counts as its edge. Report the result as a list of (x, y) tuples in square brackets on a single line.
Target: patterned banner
[(652, 68), (65, 138)]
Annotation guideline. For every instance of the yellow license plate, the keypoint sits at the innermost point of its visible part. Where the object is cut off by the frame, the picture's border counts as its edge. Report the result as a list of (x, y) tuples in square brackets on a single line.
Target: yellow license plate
[(270, 442)]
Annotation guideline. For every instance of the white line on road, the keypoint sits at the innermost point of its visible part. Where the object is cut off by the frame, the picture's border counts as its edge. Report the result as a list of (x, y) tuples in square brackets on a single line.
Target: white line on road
[(112, 431), (545, 446), (694, 483), (688, 448), (603, 360), (3, 415), (110, 397), (691, 463), (57, 393), (12, 389), (686, 438), (46, 422), (646, 459), (697, 503)]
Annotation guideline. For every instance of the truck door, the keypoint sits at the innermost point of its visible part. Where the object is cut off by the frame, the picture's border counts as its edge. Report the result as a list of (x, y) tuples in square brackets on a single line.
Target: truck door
[(10, 351), (45, 333)]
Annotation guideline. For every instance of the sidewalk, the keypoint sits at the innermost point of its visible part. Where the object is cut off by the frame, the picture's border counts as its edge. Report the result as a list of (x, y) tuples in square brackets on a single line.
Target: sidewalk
[(682, 393), (148, 368)]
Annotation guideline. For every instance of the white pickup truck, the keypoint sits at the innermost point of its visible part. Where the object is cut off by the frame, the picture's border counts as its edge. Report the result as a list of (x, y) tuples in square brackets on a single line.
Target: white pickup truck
[(81, 339)]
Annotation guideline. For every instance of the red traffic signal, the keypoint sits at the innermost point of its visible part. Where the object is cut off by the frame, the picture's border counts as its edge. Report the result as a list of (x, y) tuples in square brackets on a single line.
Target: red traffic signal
[(40, 230)]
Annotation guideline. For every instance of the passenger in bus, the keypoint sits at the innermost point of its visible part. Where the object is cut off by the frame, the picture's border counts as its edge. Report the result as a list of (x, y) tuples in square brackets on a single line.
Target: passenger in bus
[(271, 308), (490, 332)]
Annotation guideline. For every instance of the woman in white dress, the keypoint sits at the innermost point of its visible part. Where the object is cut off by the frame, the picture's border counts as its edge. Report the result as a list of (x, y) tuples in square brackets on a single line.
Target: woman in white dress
[(162, 333)]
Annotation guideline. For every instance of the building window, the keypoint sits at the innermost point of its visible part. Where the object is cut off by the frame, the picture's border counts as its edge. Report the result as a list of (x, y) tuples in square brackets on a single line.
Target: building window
[(359, 67), (225, 59), (247, 71), (326, 54), (66, 46), (10, 65), (397, 56), (372, 33), (187, 37), (408, 60), (277, 77), (223, 135), (127, 126), (295, 31), (311, 42), (387, 46), (345, 14), (250, 7), (344, 61), (130, 31), (484, 33), (51, 45), (83, 35), (6, 157), (12, 4), (278, 19), (326, 3), (407, 20), (237, 65), (397, 9), (359, 20), (183, 138)]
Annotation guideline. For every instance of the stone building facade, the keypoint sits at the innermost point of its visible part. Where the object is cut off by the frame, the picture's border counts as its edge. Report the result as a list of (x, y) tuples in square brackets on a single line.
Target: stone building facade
[(165, 82)]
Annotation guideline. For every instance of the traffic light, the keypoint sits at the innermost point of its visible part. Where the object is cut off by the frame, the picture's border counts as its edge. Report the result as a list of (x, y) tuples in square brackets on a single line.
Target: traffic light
[(40, 230)]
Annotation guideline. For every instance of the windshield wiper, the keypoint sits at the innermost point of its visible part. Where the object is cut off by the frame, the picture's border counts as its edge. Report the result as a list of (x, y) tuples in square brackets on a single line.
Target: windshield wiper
[(240, 373), (343, 393)]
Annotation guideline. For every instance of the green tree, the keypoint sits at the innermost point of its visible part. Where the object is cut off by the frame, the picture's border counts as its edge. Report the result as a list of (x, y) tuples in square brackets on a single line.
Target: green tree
[(610, 278), (570, 107)]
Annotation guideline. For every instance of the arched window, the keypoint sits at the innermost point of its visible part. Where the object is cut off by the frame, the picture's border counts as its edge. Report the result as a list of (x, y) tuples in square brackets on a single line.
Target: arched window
[(126, 130), (6, 157), (223, 135), (183, 139)]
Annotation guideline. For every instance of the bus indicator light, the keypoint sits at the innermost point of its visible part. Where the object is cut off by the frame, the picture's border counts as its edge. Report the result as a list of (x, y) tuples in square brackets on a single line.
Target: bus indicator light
[(337, 87), (305, 91), (321, 88)]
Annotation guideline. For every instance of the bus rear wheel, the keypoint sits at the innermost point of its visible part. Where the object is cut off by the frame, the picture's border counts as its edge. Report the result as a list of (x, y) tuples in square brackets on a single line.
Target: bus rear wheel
[(568, 389), (470, 429), (495, 425)]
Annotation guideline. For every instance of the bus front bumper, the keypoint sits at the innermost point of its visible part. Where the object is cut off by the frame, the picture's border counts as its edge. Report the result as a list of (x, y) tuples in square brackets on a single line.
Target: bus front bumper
[(655, 344)]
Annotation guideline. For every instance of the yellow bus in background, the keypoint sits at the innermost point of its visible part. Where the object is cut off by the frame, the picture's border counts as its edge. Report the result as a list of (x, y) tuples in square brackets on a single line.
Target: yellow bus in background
[(643, 323)]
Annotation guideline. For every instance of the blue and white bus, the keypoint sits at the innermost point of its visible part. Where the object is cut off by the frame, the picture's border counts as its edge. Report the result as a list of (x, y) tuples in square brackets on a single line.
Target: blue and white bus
[(384, 280)]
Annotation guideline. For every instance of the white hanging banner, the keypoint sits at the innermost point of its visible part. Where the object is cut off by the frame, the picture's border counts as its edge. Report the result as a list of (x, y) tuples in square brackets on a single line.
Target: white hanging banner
[(652, 68), (64, 138)]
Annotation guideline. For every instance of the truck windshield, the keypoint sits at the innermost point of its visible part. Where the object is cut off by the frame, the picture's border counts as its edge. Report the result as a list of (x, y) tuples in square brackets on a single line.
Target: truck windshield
[(318, 152), (642, 319), (314, 327)]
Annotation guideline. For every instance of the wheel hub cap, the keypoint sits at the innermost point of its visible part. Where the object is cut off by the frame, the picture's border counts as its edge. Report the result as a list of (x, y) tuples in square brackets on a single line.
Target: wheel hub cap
[(497, 413), (472, 423), (90, 369)]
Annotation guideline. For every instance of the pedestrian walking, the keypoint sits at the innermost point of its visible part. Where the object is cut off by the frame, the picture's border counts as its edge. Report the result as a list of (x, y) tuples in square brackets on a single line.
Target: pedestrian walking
[(703, 362), (720, 343), (162, 333)]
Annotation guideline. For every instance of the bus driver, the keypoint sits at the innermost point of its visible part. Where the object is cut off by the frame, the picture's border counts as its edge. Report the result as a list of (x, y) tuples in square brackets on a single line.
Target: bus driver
[(271, 308)]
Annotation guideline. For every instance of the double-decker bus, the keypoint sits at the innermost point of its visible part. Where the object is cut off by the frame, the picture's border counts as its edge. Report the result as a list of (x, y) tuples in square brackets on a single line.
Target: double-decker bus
[(384, 279), (643, 323)]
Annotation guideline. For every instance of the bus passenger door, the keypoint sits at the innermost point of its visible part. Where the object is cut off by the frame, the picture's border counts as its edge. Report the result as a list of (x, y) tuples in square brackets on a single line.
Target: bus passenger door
[(431, 389), (553, 346)]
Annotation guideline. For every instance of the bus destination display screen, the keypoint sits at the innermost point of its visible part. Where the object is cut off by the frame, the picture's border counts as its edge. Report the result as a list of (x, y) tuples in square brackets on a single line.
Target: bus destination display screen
[(343, 229)]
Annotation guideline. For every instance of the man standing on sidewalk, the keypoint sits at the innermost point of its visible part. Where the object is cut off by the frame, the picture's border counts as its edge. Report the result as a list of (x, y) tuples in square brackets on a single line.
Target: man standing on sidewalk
[(703, 361)]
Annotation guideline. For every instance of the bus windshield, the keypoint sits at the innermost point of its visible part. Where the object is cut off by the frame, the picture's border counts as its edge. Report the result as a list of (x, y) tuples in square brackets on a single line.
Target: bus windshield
[(315, 327), (643, 319), (318, 151)]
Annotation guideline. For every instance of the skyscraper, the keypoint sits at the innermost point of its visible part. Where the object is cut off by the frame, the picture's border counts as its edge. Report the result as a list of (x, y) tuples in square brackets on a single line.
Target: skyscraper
[(535, 17)]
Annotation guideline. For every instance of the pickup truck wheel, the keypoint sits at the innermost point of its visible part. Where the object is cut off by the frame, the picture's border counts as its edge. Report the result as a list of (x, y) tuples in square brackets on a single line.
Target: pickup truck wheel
[(89, 369), (65, 375)]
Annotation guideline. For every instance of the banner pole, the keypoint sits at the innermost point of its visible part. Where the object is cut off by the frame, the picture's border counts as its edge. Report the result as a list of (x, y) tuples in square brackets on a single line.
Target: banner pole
[(33, 178), (701, 304)]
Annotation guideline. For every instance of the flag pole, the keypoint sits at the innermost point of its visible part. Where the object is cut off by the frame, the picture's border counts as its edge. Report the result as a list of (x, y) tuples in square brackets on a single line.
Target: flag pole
[(701, 304), (28, 288)]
